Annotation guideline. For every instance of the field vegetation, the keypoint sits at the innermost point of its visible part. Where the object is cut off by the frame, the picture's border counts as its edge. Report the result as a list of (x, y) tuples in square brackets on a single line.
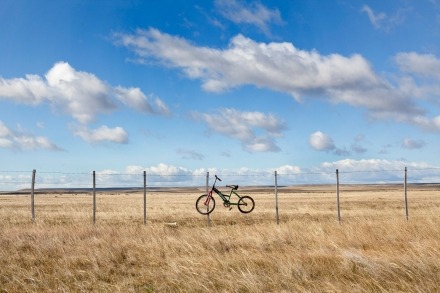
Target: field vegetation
[(373, 249)]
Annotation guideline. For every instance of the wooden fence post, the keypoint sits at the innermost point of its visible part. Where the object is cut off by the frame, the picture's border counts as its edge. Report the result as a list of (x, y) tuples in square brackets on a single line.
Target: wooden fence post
[(337, 196), (207, 193), (276, 199), (405, 193), (33, 196), (145, 197), (94, 197)]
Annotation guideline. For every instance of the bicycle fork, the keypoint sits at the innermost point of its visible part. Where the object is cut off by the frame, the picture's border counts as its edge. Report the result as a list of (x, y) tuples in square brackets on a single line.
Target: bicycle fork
[(208, 198)]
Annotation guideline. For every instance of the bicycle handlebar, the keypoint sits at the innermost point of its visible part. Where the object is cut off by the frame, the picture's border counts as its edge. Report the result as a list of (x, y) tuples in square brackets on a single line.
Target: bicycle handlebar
[(216, 177)]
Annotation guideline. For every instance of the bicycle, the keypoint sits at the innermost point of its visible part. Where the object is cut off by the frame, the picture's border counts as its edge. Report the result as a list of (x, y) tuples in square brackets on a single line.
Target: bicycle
[(205, 204)]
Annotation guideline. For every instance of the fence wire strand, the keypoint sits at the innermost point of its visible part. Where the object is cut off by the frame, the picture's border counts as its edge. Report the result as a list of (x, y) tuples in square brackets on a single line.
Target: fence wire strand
[(10, 179)]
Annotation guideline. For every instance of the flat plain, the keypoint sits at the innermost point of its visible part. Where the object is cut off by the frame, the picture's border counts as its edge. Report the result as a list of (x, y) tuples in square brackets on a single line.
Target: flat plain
[(374, 248)]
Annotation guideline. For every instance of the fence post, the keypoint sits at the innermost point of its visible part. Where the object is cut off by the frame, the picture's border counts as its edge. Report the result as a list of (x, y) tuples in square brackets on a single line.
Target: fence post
[(94, 197), (33, 196), (276, 199), (337, 196), (405, 193), (207, 193), (145, 197)]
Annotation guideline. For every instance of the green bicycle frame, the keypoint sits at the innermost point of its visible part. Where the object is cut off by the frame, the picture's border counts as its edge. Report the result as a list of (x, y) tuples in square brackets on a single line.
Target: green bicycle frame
[(227, 198)]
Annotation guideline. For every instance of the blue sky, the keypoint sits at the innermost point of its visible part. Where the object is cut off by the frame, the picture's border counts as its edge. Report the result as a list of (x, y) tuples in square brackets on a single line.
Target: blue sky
[(233, 87)]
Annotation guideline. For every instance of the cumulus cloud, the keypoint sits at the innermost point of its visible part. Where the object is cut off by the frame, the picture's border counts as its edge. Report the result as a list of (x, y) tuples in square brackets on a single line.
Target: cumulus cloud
[(280, 66), (321, 141), (420, 64), (379, 171), (19, 140), (351, 165), (254, 14), (422, 82), (101, 134), (81, 95), (136, 99), (243, 126), (287, 169)]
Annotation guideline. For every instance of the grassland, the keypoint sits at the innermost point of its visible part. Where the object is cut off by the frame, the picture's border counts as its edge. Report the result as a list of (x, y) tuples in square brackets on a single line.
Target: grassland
[(374, 249)]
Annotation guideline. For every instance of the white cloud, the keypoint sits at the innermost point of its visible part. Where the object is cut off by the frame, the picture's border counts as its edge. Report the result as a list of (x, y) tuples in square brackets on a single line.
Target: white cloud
[(136, 99), (79, 94), (277, 66), (411, 144), (101, 134), (19, 140), (351, 165), (422, 82), (375, 18), (321, 141), (243, 126), (4, 131), (378, 171), (254, 14), (382, 21), (420, 64), (287, 169), (161, 107), (167, 170), (163, 174)]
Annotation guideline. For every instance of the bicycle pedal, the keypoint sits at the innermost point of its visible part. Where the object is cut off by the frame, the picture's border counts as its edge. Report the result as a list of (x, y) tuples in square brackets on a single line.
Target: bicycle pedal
[(230, 208)]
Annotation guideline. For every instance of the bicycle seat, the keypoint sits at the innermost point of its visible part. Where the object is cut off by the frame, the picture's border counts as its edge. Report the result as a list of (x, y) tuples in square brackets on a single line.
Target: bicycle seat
[(234, 187)]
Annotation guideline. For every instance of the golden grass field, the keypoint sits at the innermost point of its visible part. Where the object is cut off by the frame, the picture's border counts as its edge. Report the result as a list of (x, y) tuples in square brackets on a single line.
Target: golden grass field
[(374, 249)]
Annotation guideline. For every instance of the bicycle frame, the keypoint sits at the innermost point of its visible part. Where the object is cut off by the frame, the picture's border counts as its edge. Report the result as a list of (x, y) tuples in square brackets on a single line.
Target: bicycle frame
[(225, 197)]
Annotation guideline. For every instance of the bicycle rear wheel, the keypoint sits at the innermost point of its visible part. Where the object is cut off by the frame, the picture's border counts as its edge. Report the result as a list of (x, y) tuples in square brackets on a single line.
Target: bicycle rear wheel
[(205, 205), (246, 204)]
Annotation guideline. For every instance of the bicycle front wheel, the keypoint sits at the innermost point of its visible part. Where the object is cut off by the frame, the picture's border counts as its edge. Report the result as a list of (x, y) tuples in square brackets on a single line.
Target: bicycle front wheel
[(205, 204), (246, 204)]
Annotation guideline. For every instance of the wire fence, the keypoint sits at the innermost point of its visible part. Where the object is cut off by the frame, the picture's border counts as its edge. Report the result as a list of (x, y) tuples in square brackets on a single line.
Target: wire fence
[(89, 183), (16, 181)]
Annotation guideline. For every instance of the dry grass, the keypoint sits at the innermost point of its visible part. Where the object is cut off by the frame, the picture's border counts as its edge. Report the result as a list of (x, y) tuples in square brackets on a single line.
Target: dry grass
[(374, 249)]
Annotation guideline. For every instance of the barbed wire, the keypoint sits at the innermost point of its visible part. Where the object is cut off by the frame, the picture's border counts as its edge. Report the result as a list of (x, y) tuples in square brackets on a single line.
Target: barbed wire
[(15, 171), (21, 179), (14, 182), (250, 174), (64, 173)]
